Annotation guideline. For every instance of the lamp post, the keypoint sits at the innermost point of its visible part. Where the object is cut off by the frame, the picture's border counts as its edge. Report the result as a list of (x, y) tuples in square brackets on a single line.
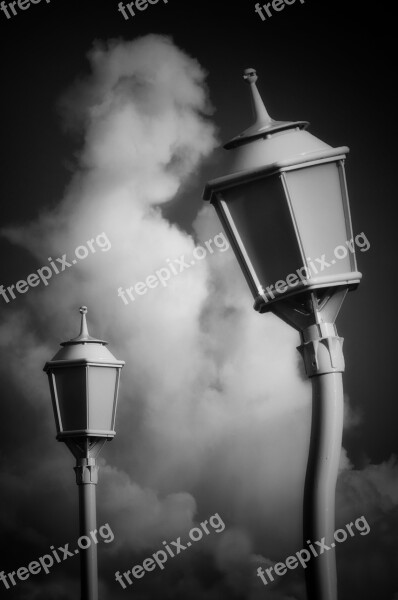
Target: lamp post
[(284, 207), (84, 381)]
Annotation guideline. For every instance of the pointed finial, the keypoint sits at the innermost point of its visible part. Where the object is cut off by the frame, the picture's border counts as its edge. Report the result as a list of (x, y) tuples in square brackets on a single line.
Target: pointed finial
[(83, 310), (84, 336), (263, 125), (261, 116)]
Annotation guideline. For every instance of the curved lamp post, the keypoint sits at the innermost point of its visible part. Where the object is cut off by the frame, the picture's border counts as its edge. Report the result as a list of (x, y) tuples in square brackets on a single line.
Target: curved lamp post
[(84, 381), (284, 207)]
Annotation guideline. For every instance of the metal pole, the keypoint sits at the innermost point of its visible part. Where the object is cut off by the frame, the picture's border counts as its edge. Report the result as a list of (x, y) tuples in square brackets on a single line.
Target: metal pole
[(320, 482), (324, 362), (322, 350), (87, 478)]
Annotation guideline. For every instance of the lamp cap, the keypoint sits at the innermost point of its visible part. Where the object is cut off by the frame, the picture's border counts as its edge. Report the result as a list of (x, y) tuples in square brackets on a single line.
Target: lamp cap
[(263, 125), (84, 337)]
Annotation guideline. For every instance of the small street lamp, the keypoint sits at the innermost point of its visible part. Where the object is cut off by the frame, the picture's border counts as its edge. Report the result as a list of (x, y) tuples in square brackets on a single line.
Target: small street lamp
[(284, 207), (84, 381)]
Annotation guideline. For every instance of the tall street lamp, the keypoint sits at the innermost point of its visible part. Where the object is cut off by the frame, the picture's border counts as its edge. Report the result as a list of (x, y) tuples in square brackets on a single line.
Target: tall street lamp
[(284, 207), (84, 381)]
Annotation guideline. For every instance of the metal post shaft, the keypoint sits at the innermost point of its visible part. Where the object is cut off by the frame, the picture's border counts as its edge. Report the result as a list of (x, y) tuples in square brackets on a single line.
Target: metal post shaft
[(86, 451), (322, 352), (320, 482), (87, 478)]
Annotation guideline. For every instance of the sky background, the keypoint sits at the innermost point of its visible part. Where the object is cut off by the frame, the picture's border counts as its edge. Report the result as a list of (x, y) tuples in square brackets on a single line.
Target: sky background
[(114, 126)]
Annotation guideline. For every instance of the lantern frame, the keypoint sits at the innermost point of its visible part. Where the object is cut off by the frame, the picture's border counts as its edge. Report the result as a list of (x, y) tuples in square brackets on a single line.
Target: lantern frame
[(81, 358), (250, 149), (53, 369)]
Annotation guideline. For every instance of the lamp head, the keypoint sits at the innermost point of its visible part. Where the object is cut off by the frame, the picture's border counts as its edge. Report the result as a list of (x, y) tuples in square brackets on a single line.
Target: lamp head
[(283, 204), (84, 380)]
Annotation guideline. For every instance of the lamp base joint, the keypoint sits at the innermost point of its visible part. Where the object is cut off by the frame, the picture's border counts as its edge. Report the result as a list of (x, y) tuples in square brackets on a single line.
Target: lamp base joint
[(86, 471), (323, 355)]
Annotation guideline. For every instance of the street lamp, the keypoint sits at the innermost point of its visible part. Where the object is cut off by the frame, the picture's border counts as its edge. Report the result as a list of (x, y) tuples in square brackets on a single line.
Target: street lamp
[(84, 381), (284, 207)]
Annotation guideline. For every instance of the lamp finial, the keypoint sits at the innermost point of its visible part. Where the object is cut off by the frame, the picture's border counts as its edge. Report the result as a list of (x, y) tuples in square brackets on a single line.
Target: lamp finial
[(83, 310), (262, 118), (263, 125), (250, 75), (84, 337)]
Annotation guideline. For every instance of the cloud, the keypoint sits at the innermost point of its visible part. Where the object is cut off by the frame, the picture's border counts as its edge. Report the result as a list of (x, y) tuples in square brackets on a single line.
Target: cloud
[(352, 416), (368, 564)]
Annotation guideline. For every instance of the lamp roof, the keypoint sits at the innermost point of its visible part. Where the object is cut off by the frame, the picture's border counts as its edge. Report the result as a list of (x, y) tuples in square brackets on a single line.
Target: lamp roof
[(268, 146), (83, 349), (263, 124)]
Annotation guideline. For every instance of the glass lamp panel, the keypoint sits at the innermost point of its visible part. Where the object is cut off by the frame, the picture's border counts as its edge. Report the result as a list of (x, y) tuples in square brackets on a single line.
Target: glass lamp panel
[(317, 195), (259, 214), (102, 388), (71, 394)]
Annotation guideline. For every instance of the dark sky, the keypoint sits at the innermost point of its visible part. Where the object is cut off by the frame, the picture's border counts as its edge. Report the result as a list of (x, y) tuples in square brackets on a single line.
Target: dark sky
[(325, 62)]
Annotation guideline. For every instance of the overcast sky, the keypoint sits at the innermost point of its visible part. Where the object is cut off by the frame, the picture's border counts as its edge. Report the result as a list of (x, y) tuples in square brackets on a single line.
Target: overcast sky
[(110, 129)]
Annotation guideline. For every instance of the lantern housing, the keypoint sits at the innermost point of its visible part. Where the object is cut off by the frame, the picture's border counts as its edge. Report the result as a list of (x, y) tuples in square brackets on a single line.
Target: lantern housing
[(84, 382), (285, 209)]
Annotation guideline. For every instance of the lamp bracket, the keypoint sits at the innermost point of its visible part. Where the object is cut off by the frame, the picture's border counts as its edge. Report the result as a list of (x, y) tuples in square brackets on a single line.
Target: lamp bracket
[(316, 309), (85, 447), (86, 451), (313, 314)]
